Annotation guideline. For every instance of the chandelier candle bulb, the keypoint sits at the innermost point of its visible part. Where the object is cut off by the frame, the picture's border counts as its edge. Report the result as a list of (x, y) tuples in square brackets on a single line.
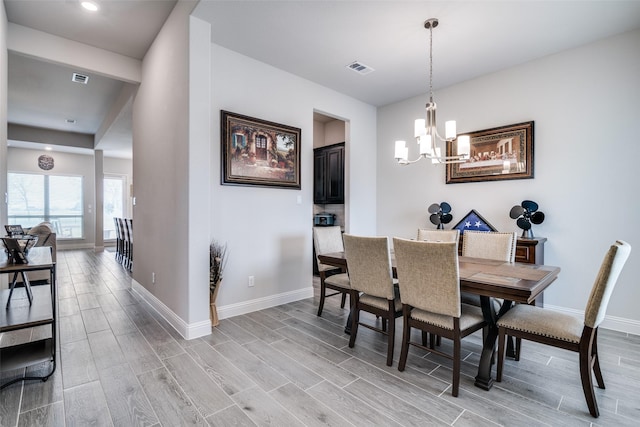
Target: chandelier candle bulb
[(506, 165), (464, 146), (450, 129), (425, 144), (420, 128), (400, 147)]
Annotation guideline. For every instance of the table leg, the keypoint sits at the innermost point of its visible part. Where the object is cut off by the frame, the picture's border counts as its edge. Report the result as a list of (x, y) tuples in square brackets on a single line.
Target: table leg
[(11, 287), (27, 286), (483, 379)]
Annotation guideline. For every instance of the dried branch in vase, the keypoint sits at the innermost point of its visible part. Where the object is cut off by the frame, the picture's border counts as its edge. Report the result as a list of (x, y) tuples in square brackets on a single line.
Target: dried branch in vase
[(217, 262)]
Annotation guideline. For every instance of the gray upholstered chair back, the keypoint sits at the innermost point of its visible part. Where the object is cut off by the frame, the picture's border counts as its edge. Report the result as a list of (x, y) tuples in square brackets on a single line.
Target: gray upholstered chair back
[(46, 237), (428, 275), (327, 240), (438, 235), (369, 265), (490, 245), (606, 280)]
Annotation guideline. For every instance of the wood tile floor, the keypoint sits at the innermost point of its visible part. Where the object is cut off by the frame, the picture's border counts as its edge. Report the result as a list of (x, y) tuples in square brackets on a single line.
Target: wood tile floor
[(123, 365)]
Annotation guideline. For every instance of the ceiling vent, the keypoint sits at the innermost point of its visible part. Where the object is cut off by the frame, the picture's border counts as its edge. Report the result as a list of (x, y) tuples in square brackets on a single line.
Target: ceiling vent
[(360, 68), (80, 78)]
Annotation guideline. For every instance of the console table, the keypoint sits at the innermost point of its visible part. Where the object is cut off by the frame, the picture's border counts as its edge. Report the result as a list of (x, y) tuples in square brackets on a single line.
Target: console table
[(530, 251), (21, 312)]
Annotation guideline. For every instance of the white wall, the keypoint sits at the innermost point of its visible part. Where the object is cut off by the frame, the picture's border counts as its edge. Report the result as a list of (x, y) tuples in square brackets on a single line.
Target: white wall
[(585, 106), (268, 233), (24, 160)]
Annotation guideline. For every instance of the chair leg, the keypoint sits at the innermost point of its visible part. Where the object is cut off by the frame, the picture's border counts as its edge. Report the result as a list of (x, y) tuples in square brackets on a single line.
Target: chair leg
[(384, 325), (501, 349), (456, 367), (425, 338), (391, 333), (596, 361), (406, 335), (518, 344), (433, 340), (355, 321), (587, 382), (322, 291), (344, 299)]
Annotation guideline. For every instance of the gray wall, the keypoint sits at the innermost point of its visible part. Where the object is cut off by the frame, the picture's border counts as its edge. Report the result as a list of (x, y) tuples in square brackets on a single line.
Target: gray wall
[(162, 144), (268, 230), (584, 103)]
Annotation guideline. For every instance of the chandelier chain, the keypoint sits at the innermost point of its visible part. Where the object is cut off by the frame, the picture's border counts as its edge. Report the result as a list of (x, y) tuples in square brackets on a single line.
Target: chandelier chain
[(431, 63)]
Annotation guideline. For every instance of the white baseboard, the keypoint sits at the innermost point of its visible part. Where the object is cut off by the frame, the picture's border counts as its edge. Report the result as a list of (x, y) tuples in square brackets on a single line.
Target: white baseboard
[(199, 329), (619, 324), (244, 307), (187, 330), (72, 246)]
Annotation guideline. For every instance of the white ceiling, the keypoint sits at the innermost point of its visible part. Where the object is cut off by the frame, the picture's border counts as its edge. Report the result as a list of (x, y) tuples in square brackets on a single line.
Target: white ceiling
[(317, 39), (41, 94)]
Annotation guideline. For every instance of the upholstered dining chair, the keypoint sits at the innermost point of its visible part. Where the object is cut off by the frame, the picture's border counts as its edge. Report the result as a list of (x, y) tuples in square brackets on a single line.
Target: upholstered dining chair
[(328, 240), (494, 245), (372, 286), (438, 235), (564, 331), (490, 245), (429, 282)]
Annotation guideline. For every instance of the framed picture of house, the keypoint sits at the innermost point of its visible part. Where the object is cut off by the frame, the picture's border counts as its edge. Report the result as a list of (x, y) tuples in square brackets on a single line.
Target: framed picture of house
[(473, 221), (259, 152), (497, 154)]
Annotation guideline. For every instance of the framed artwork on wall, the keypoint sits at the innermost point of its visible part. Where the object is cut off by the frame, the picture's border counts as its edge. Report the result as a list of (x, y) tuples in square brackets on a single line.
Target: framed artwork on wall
[(497, 154), (258, 152)]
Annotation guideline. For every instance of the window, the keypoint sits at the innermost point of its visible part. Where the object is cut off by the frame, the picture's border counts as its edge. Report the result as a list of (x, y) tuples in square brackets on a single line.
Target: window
[(34, 198), (113, 204)]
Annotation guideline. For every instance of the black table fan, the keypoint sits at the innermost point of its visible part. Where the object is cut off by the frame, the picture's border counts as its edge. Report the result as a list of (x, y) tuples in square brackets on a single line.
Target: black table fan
[(525, 214), (440, 214)]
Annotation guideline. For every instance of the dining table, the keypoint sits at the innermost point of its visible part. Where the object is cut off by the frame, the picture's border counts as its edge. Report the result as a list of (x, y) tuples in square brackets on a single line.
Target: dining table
[(513, 282)]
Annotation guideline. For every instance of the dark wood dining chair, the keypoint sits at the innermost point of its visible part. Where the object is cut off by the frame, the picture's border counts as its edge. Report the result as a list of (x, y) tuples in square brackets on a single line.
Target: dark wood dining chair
[(119, 239), (372, 286), (328, 240), (429, 282), (565, 331)]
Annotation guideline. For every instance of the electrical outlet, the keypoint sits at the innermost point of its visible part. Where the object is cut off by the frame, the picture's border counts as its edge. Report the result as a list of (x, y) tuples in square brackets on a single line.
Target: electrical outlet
[(252, 281), (153, 277)]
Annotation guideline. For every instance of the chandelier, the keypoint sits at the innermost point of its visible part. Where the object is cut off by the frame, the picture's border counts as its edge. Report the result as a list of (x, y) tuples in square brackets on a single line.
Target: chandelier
[(426, 133)]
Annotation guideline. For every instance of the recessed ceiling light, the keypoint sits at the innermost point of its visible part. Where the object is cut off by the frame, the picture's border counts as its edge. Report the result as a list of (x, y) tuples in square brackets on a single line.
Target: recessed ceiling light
[(48, 148), (90, 5)]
